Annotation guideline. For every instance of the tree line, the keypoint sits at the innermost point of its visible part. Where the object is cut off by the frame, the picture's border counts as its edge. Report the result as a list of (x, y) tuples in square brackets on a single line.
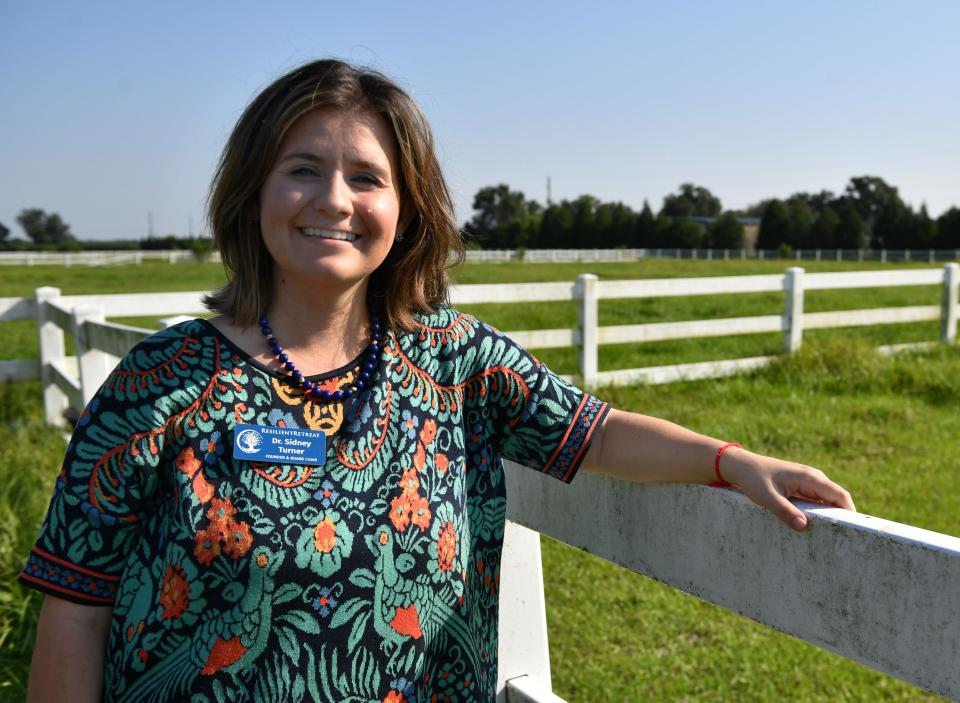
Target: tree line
[(869, 214), (48, 232)]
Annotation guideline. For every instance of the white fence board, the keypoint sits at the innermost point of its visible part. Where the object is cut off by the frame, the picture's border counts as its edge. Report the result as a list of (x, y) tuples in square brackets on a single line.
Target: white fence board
[(58, 315), (66, 379), (113, 338), (125, 305), (873, 316), (17, 309), (871, 590), (511, 292), (658, 331), (873, 279), (545, 339), (528, 689), (713, 285), (654, 375)]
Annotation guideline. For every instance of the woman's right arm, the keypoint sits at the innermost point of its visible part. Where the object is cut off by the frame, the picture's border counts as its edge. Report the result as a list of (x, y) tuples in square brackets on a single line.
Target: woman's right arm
[(68, 657)]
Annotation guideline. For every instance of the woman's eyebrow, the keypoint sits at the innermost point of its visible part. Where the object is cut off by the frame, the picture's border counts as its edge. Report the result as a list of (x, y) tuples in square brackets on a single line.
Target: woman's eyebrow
[(305, 155), (360, 163)]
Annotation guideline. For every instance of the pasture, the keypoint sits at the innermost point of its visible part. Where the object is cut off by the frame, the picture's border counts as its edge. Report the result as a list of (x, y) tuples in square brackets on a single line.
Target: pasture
[(886, 428)]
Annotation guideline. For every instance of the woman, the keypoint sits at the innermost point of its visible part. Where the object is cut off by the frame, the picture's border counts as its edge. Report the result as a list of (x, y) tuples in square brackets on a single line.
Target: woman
[(182, 560)]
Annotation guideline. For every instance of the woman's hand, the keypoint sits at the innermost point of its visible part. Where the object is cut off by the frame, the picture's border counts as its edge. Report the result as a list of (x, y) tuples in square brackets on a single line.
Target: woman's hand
[(768, 482), (646, 449)]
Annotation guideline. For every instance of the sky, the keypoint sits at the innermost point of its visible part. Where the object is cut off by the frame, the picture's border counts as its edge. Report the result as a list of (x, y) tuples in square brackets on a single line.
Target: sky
[(112, 111)]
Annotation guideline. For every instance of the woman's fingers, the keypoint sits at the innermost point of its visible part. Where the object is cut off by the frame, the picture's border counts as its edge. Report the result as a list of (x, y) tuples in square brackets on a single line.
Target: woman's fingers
[(788, 512), (816, 486)]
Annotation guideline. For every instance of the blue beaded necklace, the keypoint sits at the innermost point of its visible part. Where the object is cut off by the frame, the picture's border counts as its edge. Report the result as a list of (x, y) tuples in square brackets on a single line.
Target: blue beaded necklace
[(367, 366)]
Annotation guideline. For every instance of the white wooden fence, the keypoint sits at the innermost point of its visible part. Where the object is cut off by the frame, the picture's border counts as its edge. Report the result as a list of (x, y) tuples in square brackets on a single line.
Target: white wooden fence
[(929, 256), (884, 594), (174, 256), (96, 258)]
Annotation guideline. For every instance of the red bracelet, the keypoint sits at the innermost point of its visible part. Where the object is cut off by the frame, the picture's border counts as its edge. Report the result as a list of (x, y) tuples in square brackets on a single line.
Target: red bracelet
[(721, 481)]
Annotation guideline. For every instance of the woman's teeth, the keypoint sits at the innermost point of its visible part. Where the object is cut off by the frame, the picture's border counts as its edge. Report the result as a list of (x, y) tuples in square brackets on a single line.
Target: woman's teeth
[(328, 234)]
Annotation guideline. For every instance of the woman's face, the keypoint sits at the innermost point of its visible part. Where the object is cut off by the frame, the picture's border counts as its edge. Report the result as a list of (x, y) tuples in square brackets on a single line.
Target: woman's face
[(330, 207)]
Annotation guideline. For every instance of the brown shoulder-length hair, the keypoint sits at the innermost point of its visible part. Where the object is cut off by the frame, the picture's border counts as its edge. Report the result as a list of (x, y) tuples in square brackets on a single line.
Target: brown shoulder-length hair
[(413, 278)]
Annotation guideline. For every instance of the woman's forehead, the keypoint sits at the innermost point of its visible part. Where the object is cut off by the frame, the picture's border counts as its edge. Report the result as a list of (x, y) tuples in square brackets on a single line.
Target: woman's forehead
[(359, 134)]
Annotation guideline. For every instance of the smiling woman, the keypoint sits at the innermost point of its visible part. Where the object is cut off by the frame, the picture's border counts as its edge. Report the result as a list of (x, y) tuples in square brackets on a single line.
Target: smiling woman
[(179, 567), (330, 207)]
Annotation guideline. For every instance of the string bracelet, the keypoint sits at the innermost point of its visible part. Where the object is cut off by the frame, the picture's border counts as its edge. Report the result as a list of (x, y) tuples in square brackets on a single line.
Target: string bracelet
[(721, 482)]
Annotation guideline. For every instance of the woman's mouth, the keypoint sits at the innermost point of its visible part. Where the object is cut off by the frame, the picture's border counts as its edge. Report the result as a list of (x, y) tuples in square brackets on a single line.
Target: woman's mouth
[(318, 233)]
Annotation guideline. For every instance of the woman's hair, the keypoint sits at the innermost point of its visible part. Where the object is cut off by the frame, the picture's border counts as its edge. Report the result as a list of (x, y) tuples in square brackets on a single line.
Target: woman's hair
[(413, 277)]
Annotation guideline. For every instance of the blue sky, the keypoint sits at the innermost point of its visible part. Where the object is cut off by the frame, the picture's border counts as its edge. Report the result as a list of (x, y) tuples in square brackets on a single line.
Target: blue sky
[(113, 110)]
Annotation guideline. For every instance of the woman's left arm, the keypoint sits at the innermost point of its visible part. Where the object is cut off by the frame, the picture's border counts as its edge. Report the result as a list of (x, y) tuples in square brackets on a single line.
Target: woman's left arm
[(646, 449)]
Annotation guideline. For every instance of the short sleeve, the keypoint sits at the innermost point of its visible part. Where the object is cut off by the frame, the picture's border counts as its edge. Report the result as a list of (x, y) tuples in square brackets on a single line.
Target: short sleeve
[(533, 416), (95, 514)]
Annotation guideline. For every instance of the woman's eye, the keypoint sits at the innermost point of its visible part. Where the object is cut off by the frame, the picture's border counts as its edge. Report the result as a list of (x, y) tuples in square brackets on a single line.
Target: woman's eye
[(367, 179), (305, 171)]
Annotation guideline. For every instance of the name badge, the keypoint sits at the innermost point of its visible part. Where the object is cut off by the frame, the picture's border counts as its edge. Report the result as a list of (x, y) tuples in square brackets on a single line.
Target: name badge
[(279, 445)]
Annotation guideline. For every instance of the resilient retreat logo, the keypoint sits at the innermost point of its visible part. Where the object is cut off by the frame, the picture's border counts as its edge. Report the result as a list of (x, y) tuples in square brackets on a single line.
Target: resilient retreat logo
[(249, 440)]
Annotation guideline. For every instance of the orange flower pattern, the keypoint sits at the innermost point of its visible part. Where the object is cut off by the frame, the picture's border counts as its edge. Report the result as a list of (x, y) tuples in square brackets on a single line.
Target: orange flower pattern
[(231, 577)]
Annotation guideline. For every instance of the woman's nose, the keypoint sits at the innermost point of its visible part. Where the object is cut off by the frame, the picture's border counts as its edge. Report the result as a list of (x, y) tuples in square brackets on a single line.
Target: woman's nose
[(333, 195)]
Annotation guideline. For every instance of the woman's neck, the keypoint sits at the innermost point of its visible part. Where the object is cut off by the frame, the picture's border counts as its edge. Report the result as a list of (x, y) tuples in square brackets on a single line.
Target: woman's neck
[(320, 329)]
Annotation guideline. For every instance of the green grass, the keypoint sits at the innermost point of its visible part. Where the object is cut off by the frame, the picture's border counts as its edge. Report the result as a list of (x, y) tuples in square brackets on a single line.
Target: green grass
[(886, 428)]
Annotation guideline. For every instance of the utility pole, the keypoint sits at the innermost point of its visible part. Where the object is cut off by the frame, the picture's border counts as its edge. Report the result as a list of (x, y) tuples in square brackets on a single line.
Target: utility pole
[(190, 225), (549, 192), (150, 223)]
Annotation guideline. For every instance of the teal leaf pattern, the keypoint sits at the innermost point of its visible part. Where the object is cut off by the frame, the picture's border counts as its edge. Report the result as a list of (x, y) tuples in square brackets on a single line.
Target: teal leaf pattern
[(372, 577)]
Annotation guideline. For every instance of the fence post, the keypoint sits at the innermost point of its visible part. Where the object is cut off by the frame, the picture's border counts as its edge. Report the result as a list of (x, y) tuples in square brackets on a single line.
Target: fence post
[(523, 616), (94, 364), (587, 291), (950, 309), (51, 350), (793, 315)]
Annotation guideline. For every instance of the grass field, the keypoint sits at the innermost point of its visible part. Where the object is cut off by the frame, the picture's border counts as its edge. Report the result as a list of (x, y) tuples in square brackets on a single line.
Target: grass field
[(887, 428)]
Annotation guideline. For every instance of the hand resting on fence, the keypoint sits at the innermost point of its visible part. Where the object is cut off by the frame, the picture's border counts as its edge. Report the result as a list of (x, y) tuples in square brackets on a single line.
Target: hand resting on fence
[(645, 449)]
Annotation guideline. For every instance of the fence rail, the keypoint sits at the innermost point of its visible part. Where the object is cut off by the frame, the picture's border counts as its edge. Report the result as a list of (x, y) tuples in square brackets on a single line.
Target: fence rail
[(877, 592), (176, 256), (83, 317), (929, 256)]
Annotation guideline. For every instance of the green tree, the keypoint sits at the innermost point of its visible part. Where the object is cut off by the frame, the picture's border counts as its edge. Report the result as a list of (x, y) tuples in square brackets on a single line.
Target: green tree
[(948, 229), (45, 230), (4, 232), (615, 224), (801, 216), (849, 233), (725, 232), (691, 201), (774, 226), (556, 226), (682, 234), (923, 229), (879, 206), (823, 231), (503, 218), (645, 231), (893, 225)]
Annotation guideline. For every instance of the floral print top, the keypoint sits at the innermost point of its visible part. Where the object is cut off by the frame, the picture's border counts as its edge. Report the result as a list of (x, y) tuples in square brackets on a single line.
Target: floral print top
[(373, 577)]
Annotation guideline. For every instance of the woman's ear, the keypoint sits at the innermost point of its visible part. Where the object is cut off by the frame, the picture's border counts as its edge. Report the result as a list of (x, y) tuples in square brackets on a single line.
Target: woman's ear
[(407, 212)]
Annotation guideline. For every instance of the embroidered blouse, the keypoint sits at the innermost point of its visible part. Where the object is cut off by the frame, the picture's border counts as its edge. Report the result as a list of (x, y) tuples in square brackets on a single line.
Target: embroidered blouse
[(371, 577)]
